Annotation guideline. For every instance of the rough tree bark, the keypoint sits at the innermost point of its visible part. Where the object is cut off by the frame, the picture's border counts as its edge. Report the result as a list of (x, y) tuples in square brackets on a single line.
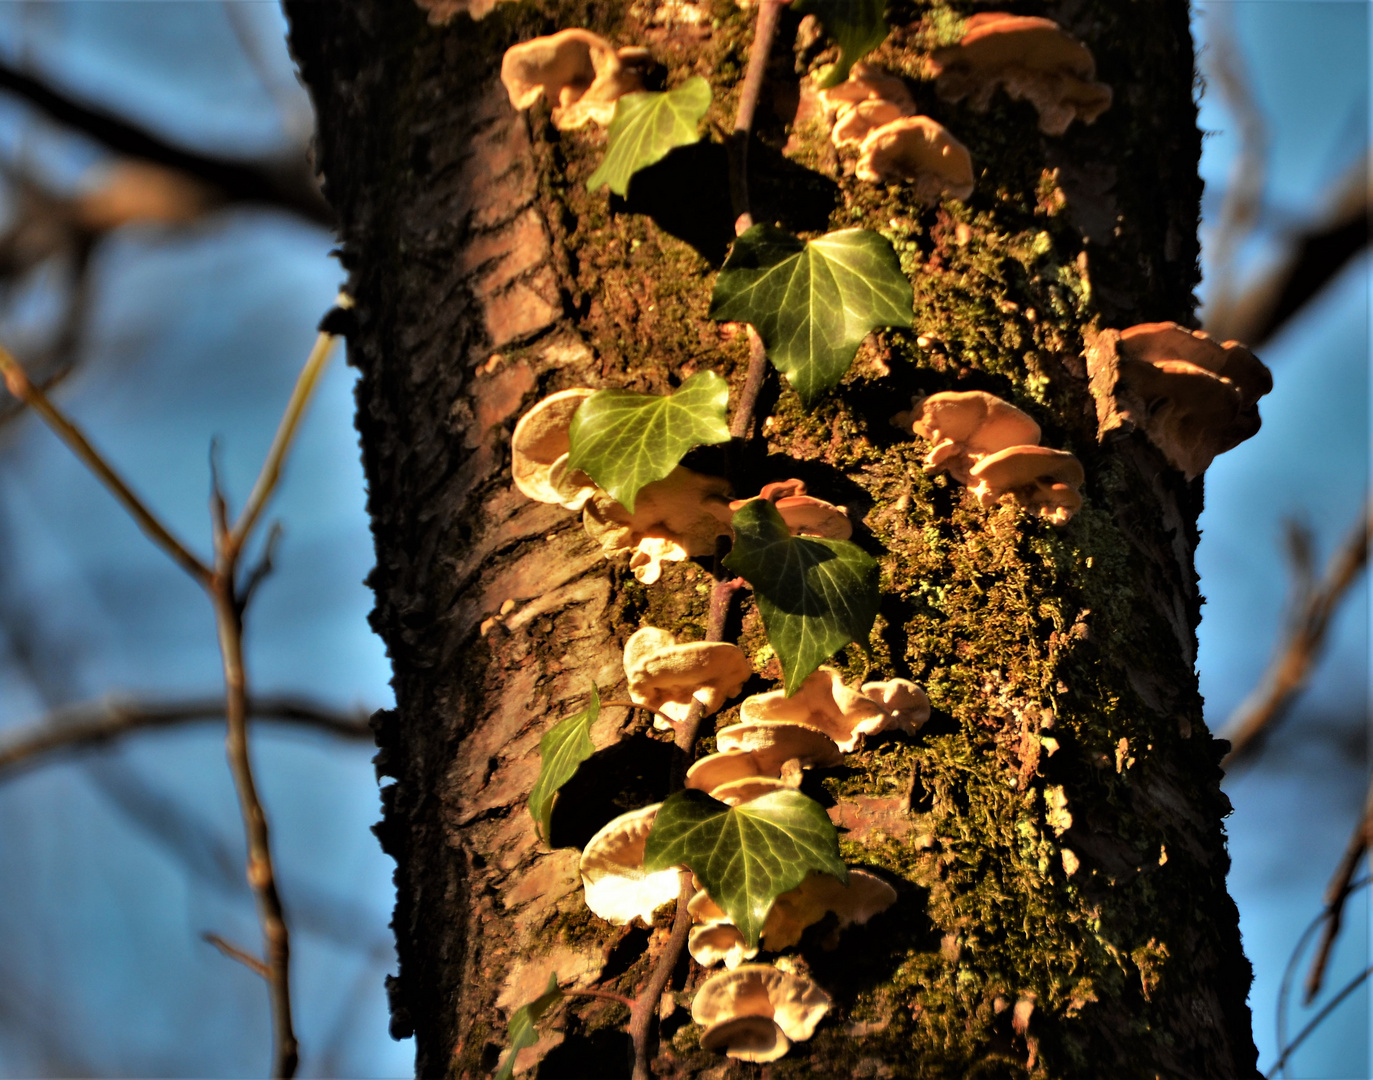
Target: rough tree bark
[(486, 276)]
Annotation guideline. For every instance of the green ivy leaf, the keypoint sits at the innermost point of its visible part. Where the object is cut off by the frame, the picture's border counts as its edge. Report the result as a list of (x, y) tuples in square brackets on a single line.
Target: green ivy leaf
[(745, 856), (562, 749), (521, 1032), (813, 302), (624, 440), (646, 126), (857, 27), (815, 596)]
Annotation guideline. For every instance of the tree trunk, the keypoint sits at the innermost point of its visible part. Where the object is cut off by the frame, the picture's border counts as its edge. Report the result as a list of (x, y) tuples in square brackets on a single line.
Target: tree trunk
[(487, 276)]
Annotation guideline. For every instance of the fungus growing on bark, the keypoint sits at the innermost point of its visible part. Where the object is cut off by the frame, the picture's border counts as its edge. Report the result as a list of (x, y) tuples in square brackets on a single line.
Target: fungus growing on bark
[(824, 703), (1192, 396), (902, 700), (1034, 59), (674, 519), (868, 99), (671, 677), (803, 514), (580, 73), (1040, 481), (616, 886), (918, 151), (747, 788), (866, 83), (715, 939), (539, 448), (752, 992), (965, 426), (773, 743)]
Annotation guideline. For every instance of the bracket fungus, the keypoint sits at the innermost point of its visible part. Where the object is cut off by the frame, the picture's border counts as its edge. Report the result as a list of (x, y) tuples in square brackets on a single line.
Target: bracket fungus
[(804, 515), (616, 886), (1192, 396), (1034, 59), (965, 426), (772, 743), (538, 452), (674, 519), (733, 1007), (1040, 481), (715, 939), (867, 99), (825, 704), (918, 151), (672, 677), (580, 73), (903, 702), (990, 445)]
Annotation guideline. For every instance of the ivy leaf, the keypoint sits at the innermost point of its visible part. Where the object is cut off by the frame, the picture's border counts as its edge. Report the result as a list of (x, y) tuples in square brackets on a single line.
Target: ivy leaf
[(624, 440), (521, 1032), (813, 302), (745, 856), (815, 596), (647, 125), (857, 27), (562, 749)]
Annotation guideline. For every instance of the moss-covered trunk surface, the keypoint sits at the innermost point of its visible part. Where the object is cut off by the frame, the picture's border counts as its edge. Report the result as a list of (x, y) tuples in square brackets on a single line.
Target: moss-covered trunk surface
[(1055, 830)]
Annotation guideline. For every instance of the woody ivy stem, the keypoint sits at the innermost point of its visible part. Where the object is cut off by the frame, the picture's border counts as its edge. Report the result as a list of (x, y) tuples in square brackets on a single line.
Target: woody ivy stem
[(724, 587)]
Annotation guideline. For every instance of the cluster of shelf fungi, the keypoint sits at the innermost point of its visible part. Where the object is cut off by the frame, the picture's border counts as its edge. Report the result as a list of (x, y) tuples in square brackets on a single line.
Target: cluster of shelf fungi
[(1190, 396)]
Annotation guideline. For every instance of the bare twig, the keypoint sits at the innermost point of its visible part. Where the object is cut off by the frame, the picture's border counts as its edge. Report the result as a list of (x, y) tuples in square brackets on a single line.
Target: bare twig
[(18, 384), (1245, 188), (1336, 893), (233, 952), (95, 723), (1315, 255), (221, 585), (637, 705), (261, 873), (288, 183), (1288, 672), (1316, 1021), (301, 394)]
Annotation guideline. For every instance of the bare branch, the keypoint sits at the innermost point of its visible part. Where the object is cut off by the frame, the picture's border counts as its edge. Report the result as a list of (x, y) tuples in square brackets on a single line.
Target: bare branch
[(1244, 190), (1336, 893), (95, 723), (233, 952), (288, 184), (18, 384), (301, 394), (1288, 672), (1316, 256)]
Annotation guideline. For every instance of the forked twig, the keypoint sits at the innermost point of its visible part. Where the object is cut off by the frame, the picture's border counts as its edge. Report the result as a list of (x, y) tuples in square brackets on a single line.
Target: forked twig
[(1289, 670), (17, 383), (99, 722), (1336, 893), (221, 584), (233, 952)]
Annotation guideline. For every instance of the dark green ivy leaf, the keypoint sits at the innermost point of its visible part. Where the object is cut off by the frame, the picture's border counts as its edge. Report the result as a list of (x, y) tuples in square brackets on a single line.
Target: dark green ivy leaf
[(815, 596), (812, 302), (521, 1032), (562, 749), (745, 856), (624, 440), (856, 26), (646, 126)]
